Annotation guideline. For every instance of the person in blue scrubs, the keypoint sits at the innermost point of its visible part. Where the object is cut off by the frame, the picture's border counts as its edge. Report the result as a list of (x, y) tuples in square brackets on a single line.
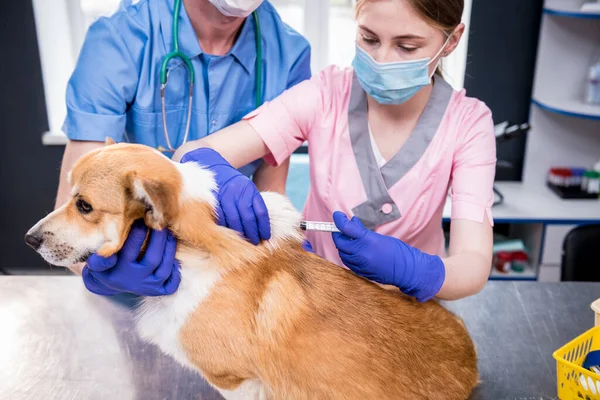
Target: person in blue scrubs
[(114, 90)]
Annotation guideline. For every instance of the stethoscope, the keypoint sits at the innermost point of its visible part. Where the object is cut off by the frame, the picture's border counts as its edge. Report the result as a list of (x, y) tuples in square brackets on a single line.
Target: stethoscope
[(188, 64)]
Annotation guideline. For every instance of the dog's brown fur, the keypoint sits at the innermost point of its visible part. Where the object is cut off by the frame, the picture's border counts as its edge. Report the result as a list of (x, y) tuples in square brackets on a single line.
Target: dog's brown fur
[(311, 330), (304, 327)]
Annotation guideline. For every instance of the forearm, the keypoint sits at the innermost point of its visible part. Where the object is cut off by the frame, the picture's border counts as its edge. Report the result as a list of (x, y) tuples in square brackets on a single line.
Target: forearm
[(272, 179), (239, 144), (466, 275), (469, 259)]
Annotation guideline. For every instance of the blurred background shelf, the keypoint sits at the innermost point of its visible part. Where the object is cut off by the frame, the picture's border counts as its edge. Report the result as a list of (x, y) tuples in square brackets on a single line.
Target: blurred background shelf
[(571, 108), (569, 9), (528, 275)]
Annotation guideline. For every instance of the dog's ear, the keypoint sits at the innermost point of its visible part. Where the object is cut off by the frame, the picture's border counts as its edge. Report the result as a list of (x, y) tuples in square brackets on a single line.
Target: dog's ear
[(158, 199), (109, 141)]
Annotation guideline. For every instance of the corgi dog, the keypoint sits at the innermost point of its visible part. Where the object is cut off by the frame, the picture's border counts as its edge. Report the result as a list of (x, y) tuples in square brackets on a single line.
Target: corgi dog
[(271, 321)]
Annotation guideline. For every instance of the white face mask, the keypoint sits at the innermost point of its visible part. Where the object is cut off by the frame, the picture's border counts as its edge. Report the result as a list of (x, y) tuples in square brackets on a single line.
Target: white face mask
[(236, 8)]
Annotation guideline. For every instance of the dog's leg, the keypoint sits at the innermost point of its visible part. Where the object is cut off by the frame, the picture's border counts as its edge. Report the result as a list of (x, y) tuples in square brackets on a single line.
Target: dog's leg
[(248, 390)]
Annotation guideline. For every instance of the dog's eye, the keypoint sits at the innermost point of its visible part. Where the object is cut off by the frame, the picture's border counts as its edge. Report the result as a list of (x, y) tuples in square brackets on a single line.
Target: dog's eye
[(83, 206)]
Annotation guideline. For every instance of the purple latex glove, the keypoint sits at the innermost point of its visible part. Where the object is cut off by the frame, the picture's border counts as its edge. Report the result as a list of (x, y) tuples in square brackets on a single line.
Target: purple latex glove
[(239, 205), (387, 260), (156, 274)]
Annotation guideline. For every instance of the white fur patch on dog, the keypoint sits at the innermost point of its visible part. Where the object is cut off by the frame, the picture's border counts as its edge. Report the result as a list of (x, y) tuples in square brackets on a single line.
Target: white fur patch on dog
[(140, 193), (160, 319), (111, 231), (198, 182), (285, 219)]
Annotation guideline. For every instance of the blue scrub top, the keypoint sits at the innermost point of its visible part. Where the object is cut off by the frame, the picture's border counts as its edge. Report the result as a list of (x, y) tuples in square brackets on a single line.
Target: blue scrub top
[(115, 88)]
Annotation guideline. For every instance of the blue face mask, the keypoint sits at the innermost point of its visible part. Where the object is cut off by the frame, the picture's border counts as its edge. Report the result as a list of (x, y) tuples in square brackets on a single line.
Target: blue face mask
[(395, 82)]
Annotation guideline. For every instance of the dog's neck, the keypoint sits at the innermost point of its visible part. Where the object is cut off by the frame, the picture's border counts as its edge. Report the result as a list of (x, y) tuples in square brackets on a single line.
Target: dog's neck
[(198, 233)]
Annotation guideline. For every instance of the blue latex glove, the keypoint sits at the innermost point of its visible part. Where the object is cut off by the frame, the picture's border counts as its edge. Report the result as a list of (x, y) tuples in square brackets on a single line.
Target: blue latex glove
[(239, 205), (387, 260), (156, 274), (307, 246)]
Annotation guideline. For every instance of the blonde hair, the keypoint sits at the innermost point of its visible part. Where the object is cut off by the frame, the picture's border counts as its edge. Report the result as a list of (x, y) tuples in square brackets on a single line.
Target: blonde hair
[(445, 15)]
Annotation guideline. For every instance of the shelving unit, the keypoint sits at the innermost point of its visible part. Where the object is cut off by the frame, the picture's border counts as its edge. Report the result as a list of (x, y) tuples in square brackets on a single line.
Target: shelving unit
[(562, 123), (542, 220), (565, 130)]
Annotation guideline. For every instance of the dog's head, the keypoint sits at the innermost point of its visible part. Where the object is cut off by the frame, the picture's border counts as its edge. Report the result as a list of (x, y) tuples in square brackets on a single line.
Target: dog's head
[(110, 189)]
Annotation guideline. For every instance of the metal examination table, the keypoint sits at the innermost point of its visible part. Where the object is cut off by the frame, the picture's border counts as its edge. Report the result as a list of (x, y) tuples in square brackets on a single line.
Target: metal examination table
[(58, 341)]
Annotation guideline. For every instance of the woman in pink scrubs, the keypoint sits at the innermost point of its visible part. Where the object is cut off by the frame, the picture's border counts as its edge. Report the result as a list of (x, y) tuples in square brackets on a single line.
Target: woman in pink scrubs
[(388, 138)]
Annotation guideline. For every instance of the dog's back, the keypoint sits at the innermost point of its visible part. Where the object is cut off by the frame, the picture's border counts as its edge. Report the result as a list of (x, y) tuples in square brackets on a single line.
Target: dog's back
[(313, 330)]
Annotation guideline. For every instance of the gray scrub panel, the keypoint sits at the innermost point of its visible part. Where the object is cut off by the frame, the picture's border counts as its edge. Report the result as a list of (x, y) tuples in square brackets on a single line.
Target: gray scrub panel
[(377, 181)]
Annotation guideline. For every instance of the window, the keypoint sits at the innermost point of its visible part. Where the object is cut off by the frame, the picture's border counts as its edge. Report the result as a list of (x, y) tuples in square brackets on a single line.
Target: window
[(61, 27), (330, 28)]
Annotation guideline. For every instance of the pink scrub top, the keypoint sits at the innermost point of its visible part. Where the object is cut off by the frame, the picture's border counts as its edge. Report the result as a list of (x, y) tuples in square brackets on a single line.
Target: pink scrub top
[(452, 149)]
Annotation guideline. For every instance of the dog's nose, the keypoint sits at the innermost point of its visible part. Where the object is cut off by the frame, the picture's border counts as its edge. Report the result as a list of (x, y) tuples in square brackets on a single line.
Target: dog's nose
[(34, 241)]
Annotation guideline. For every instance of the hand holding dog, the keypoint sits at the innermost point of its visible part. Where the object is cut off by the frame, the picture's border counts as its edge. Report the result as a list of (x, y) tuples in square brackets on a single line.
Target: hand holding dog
[(239, 207), (239, 204), (156, 274), (387, 260)]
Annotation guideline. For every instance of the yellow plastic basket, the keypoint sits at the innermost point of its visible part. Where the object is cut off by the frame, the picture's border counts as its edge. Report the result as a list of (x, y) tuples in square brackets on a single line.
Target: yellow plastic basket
[(575, 382)]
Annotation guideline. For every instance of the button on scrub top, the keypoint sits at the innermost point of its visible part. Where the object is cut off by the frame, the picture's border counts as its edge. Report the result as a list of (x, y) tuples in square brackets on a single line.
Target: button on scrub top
[(452, 149), (115, 87)]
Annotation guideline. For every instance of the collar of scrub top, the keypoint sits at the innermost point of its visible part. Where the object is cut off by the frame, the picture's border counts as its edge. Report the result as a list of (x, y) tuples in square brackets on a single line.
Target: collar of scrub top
[(379, 207), (243, 50)]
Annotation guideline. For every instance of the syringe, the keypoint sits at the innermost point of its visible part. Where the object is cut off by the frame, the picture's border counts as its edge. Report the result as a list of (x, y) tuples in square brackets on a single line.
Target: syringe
[(318, 226)]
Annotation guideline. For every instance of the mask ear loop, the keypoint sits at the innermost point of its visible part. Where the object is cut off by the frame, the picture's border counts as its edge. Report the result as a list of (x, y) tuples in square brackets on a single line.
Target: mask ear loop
[(438, 54), (442, 49)]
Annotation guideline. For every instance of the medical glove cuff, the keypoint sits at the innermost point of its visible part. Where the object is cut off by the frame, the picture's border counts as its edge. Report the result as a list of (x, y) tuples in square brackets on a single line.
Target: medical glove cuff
[(418, 274), (205, 156)]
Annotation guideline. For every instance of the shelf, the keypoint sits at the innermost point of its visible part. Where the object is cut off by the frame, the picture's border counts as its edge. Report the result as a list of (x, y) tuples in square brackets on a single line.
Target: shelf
[(571, 108), (527, 275), (559, 8), (530, 204)]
